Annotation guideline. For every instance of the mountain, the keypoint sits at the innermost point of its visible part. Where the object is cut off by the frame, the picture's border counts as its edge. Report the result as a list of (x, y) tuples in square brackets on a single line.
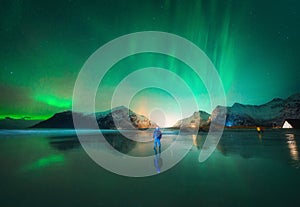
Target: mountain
[(10, 123), (61, 120), (199, 118), (270, 114), (119, 117), (123, 118)]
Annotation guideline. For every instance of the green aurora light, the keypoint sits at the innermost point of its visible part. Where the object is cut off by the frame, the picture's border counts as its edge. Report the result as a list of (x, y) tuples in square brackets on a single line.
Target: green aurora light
[(54, 101), (44, 45)]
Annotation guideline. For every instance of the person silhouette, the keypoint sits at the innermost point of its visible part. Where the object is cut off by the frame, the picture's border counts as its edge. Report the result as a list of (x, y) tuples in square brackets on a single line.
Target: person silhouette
[(157, 136)]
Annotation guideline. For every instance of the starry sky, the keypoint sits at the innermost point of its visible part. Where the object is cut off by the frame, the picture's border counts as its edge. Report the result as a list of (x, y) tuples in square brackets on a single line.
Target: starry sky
[(253, 44)]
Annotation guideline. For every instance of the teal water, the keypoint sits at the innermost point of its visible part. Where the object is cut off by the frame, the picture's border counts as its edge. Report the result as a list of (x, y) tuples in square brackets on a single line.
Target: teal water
[(51, 169)]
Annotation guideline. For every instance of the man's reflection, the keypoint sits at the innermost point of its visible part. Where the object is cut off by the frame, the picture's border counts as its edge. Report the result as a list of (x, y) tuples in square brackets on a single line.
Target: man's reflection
[(158, 162)]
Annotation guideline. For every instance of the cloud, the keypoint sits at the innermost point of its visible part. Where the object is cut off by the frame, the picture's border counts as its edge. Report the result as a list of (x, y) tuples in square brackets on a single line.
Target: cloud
[(13, 97), (18, 101)]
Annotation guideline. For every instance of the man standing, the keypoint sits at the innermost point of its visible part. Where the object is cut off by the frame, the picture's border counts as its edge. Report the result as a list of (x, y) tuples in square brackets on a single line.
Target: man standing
[(157, 136)]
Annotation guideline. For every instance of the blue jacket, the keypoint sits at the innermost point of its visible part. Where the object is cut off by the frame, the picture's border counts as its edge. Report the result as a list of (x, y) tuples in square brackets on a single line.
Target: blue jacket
[(157, 134)]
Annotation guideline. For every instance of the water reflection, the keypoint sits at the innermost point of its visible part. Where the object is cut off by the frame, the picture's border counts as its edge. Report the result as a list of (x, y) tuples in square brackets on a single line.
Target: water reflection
[(198, 140), (260, 136), (247, 144), (265, 182), (194, 136), (116, 140), (120, 142), (44, 162), (64, 143), (292, 145), (241, 142), (158, 162)]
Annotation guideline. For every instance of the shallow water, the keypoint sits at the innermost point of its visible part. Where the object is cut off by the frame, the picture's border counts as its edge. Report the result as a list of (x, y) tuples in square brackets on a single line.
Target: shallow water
[(50, 168)]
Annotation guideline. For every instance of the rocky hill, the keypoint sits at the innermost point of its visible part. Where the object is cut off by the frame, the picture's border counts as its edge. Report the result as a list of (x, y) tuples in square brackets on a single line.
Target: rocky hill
[(119, 117), (199, 118), (272, 113), (61, 120), (123, 118)]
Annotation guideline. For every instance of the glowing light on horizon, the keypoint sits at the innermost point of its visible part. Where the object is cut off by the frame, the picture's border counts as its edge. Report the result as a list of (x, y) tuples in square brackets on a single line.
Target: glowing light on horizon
[(157, 105)]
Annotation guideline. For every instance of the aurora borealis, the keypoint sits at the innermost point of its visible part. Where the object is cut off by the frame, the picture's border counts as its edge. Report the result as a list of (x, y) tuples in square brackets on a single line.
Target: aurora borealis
[(254, 46)]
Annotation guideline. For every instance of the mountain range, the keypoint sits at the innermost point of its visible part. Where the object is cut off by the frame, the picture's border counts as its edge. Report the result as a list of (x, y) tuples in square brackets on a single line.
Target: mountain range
[(22, 123), (117, 118), (271, 114)]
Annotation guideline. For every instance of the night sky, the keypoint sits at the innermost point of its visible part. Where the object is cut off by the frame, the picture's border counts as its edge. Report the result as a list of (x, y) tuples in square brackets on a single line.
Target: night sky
[(253, 44)]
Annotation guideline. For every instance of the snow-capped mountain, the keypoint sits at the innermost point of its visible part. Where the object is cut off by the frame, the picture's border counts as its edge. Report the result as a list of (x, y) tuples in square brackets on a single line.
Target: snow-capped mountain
[(272, 113), (123, 118), (199, 118), (269, 114), (117, 118)]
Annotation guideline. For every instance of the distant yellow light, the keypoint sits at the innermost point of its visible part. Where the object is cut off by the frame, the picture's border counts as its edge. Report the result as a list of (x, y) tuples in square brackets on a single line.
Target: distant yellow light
[(193, 125)]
